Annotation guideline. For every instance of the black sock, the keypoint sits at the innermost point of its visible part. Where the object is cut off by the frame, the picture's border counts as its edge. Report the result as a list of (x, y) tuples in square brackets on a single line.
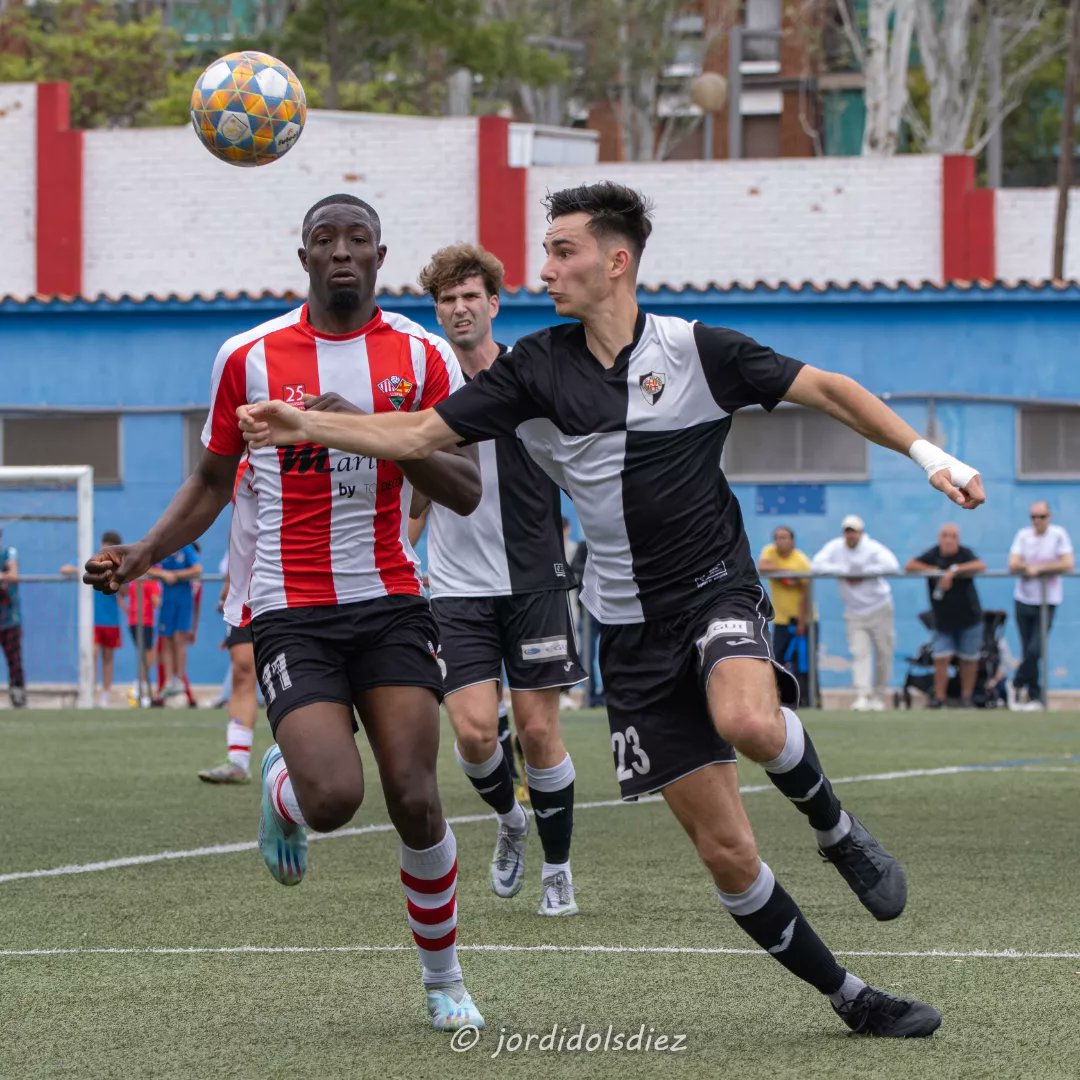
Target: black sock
[(552, 794), (504, 742), (798, 774), (491, 779), (774, 921)]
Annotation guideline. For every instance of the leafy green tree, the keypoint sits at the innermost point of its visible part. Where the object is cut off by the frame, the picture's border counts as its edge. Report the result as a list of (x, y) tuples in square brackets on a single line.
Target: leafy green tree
[(116, 64), (397, 55)]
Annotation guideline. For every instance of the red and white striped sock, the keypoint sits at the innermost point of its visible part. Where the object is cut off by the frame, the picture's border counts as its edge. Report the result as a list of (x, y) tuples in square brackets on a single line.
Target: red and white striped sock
[(282, 796), (430, 881), (238, 740)]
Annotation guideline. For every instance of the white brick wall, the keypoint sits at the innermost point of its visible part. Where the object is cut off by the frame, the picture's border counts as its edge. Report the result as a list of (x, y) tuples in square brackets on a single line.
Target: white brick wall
[(18, 180), (163, 215), (813, 219), (1025, 233)]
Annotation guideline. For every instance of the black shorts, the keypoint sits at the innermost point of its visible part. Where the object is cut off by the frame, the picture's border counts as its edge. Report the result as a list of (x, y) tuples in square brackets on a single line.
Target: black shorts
[(147, 636), (531, 633), (238, 635), (655, 677), (333, 653)]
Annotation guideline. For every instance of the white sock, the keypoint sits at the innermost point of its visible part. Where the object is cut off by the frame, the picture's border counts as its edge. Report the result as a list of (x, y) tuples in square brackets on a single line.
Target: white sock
[(556, 868), (828, 837), (516, 820), (282, 796), (849, 990), (238, 740)]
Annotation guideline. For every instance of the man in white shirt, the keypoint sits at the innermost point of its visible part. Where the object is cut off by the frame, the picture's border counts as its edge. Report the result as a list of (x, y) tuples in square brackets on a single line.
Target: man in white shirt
[(868, 607), (1040, 553)]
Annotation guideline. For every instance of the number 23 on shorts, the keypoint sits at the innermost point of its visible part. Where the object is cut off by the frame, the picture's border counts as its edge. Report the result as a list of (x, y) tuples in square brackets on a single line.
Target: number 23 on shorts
[(624, 744)]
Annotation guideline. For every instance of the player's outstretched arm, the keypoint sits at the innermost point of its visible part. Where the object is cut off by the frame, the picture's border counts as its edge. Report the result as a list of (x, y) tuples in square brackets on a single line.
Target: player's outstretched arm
[(202, 496), (852, 404), (390, 436), (450, 477)]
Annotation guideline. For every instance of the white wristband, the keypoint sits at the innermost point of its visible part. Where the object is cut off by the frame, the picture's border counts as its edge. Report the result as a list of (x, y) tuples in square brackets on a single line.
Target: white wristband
[(933, 459)]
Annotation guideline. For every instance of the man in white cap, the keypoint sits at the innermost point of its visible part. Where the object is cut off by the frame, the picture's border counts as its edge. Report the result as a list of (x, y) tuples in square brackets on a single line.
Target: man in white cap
[(868, 607)]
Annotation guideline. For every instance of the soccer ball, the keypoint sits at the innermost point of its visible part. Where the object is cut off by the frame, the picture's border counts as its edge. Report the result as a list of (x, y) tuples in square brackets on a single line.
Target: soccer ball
[(248, 108)]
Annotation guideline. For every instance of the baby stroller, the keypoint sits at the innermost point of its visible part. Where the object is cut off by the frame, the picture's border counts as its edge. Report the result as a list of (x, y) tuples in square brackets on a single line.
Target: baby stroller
[(989, 688)]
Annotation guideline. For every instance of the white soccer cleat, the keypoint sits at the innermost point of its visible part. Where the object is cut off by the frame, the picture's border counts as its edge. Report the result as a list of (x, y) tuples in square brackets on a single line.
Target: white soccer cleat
[(508, 863), (558, 896), (861, 704), (876, 705)]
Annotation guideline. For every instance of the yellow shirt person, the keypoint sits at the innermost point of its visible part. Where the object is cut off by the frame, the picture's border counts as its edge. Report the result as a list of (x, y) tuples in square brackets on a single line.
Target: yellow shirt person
[(788, 594)]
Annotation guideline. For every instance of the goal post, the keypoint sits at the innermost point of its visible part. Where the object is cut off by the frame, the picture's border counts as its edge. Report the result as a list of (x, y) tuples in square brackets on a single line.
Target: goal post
[(82, 478)]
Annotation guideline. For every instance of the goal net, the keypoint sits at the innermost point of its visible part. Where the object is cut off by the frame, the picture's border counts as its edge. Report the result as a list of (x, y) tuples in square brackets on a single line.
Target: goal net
[(47, 520)]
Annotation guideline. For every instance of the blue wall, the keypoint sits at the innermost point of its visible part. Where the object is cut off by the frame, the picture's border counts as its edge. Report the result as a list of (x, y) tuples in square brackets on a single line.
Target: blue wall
[(993, 341)]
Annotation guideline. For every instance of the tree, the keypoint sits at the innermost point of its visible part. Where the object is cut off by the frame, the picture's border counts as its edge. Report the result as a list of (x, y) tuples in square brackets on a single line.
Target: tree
[(957, 42), (1032, 132), (396, 55), (632, 65), (561, 29), (944, 99), (117, 65)]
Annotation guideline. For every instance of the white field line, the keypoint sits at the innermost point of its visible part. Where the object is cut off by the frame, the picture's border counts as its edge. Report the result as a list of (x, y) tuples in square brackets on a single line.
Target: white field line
[(288, 950), (465, 819)]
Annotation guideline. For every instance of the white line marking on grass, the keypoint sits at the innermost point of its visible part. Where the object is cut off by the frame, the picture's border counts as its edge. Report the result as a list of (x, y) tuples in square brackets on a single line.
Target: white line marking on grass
[(675, 950), (469, 819)]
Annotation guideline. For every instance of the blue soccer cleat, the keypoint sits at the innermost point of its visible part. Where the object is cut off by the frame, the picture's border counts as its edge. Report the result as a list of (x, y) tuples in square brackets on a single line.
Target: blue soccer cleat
[(284, 852), (450, 1013)]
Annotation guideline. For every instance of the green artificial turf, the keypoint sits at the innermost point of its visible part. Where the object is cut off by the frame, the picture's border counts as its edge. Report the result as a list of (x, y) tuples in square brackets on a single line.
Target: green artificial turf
[(992, 860)]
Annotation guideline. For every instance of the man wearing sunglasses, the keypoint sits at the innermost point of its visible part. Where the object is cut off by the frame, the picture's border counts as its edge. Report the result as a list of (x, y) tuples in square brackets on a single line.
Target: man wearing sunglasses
[(1040, 550)]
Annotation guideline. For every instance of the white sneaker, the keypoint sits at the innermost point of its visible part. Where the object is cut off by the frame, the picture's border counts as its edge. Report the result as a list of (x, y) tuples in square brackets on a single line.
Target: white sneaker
[(876, 705), (1011, 698), (861, 704), (103, 700), (1032, 706)]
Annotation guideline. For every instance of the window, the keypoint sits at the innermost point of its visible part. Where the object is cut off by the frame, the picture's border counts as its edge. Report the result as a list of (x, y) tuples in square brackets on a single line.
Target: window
[(792, 444), (762, 15), (74, 439), (193, 447), (1048, 444)]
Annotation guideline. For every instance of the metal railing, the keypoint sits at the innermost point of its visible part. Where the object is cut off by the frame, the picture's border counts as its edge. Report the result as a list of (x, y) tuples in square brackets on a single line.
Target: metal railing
[(50, 622), (810, 576)]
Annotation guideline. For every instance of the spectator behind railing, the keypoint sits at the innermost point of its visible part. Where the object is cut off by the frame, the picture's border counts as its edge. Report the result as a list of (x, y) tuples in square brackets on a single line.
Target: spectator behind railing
[(791, 607), (868, 607), (958, 624), (1040, 553)]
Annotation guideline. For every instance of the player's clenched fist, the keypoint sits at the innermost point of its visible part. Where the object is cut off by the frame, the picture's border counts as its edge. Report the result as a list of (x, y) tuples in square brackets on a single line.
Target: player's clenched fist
[(112, 566), (271, 423)]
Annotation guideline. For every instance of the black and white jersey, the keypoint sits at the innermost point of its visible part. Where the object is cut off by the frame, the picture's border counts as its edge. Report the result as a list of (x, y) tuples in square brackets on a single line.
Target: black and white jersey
[(511, 543), (637, 447)]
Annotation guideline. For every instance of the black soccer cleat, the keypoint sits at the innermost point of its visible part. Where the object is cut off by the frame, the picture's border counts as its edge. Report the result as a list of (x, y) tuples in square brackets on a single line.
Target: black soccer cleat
[(877, 1013), (875, 876)]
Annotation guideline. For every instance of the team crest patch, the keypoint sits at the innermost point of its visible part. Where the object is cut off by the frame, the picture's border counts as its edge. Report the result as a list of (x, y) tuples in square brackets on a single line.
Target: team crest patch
[(652, 386), (396, 389)]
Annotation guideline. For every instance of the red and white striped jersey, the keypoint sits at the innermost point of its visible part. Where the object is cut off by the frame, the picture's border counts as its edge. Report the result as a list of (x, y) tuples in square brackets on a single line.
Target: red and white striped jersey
[(243, 534), (330, 527)]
